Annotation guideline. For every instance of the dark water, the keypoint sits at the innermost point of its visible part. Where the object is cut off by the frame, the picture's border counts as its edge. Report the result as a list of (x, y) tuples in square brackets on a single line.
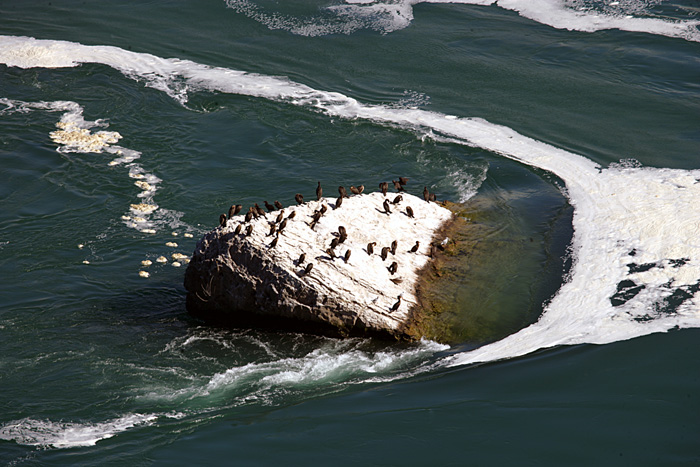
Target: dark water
[(101, 366)]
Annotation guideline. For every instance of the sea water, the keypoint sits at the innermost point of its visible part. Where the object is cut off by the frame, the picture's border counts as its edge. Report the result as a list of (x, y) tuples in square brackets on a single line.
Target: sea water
[(127, 129)]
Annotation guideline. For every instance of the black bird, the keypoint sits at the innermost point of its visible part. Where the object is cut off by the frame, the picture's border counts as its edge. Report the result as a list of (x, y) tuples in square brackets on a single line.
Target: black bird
[(232, 211), (269, 206), (308, 268), (274, 242), (280, 216), (354, 190), (282, 225), (237, 210), (273, 228), (299, 198), (334, 243), (312, 226), (415, 247), (317, 215), (384, 186), (330, 252), (222, 220), (409, 211), (342, 231), (323, 209), (292, 215), (343, 193), (386, 206), (385, 253), (433, 197), (403, 180), (301, 259), (396, 305), (278, 205), (238, 229), (319, 192), (360, 189), (370, 247), (338, 202), (249, 230), (347, 255), (426, 193), (248, 216), (397, 185), (342, 238), (394, 245), (254, 212), (394, 266), (398, 199)]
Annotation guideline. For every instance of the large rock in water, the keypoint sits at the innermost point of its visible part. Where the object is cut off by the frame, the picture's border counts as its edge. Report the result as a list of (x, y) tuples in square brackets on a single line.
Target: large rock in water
[(240, 279)]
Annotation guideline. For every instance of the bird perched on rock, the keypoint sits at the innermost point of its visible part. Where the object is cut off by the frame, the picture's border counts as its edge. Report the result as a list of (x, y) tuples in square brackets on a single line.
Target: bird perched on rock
[(433, 197), (254, 212), (323, 209), (222, 220), (415, 247), (338, 202), (360, 189), (308, 268), (248, 216), (273, 243), (403, 180), (343, 193), (398, 199), (347, 256), (396, 305), (282, 225), (238, 229), (342, 231), (232, 211), (394, 246), (260, 211), (280, 216), (385, 253), (278, 205), (354, 190), (394, 266), (343, 236), (299, 198), (301, 259), (292, 215), (397, 185), (384, 186), (409, 211), (249, 230), (317, 215), (319, 192), (386, 206), (330, 252), (370, 247), (273, 228), (269, 206), (334, 243), (426, 193)]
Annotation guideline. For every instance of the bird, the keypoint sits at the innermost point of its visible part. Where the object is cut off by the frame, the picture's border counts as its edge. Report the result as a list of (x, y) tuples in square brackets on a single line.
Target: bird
[(278, 205), (338, 202), (385, 253), (273, 228), (232, 211), (301, 259), (259, 210), (249, 229), (342, 237), (415, 247), (343, 193), (342, 231), (334, 243), (308, 268), (360, 189), (433, 197), (409, 211), (319, 192), (370, 247), (222, 220), (396, 305), (384, 186), (354, 190), (403, 180), (394, 245), (253, 212), (273, 243), (280, 216), (323, 209), (282, 225), (238, 229), (317, 215), (330, 252), (269, 206), (398, 199), (237, 210), (386, 206), (347, 255), (397, 185), (299, 198), (292, 215), (426, 193), (312, 226), (394, 266), (248, 216)]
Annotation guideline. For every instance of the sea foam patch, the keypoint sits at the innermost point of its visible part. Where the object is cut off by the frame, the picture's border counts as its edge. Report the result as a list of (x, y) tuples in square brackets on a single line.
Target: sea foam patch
[(625, 218)]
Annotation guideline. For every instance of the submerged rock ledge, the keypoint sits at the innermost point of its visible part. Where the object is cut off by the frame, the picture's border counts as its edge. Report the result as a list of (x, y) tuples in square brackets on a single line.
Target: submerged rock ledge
[(240, 279)]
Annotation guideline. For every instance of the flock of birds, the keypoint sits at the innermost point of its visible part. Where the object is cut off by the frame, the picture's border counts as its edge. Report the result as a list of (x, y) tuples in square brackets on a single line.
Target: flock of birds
[(280, 223)]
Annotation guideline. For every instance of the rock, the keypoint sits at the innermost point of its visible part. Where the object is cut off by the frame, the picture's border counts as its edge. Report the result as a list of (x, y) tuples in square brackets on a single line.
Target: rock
[(243, 280)]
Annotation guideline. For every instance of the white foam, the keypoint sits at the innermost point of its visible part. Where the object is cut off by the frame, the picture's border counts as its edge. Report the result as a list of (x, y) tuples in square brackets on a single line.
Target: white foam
[(617, 210), (46, 433)]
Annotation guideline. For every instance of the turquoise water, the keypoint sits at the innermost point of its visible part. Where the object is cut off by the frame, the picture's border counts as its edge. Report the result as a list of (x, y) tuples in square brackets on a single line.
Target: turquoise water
[(500, 102)]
